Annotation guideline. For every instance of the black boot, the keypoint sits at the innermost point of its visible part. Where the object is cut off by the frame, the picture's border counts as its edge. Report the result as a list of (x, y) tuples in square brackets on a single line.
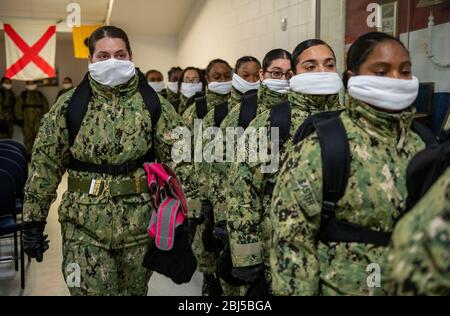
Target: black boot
[(211, 285)]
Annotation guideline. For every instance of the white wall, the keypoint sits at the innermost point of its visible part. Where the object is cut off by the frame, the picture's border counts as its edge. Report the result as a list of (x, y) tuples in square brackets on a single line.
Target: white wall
[(154, 52), (233, 28), (332, 28), (423, 68)]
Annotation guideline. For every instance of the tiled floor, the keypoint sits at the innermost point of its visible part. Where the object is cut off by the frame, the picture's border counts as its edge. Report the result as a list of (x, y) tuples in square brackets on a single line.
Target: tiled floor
[(46, 278)]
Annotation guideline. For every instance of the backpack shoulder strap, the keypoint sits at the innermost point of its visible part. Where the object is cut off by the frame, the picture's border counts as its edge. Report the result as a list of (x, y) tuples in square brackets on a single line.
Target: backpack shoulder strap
[(335, 153), (151, 99), (220, 112), (424, 132), (77, 108), (249, 107), (201, 107), (280, 116)]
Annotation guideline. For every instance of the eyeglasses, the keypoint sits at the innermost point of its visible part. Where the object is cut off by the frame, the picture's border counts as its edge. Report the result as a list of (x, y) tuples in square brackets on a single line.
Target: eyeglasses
[(278, 74)]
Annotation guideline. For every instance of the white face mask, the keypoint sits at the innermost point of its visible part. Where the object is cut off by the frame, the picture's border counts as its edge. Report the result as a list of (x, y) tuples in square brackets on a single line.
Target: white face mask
[(277, 85), (244, 86), (157, 86), (384, 92), (173, 86), (112, 72), (7, 86), (190, 89), (316, 83), (67, 85), (220, 87), (31, 87)]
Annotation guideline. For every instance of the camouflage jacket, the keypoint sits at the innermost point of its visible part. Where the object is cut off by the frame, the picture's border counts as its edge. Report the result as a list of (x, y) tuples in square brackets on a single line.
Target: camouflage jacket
[(204, 168), (381, 144), (212, 99), (248, 204), (7, 101), (35, 104), (116, 128), (420, 253), (219, 189), (171, 96)]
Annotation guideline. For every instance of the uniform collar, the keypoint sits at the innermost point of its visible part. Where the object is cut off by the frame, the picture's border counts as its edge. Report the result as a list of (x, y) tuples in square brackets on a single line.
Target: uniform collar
[(269, 97), (313, 103), (125, 90), (385, 126)]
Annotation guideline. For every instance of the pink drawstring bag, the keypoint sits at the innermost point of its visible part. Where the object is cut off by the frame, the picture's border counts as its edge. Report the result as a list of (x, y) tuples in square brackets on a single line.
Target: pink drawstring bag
[(169, 204)]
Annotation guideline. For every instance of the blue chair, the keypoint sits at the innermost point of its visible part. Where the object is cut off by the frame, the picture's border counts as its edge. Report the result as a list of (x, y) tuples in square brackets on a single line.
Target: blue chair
[(21, 147), (16, 156), (8, 221)]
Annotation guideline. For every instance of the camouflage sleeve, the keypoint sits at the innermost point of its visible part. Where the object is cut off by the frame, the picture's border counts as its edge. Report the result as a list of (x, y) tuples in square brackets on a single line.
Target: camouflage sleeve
[(295, 217), (168, 122), (420, 253), (244, 202), (49, 160)]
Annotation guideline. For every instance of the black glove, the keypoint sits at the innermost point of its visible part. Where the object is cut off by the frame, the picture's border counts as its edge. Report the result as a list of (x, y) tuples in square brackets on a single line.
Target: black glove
[(225, 266), (259, 288), (20, 123), (35, 243), (249, 274), (209, 242)]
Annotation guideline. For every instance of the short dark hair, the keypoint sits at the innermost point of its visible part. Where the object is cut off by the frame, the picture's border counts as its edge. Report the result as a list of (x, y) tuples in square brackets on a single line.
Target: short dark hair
[(246, 59), (4, 79), (173, 70), (200, 74), (304, 46), (108, 31), (215, 62), (361, 49), (273, 55), (153, 71), (68, 78)]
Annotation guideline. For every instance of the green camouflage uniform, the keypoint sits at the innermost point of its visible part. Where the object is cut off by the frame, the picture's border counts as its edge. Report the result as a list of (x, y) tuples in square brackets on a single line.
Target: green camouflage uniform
[(183, 104), (30, 109), (420, 253), (248, 205), (381, 144), (7, 101), (106, 236), (206, 260), (61, 92), (203, 171), (219, 173), (212, 100), (172, 96)]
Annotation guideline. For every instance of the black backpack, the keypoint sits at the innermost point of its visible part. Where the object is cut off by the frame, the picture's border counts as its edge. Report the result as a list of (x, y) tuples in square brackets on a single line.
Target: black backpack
[(249, 107), (220, 112), (76, 111), (335, 153), (425, 168)]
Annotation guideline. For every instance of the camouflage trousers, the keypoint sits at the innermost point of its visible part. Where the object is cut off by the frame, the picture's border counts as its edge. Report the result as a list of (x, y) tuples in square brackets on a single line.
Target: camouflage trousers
[(95, 271)]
